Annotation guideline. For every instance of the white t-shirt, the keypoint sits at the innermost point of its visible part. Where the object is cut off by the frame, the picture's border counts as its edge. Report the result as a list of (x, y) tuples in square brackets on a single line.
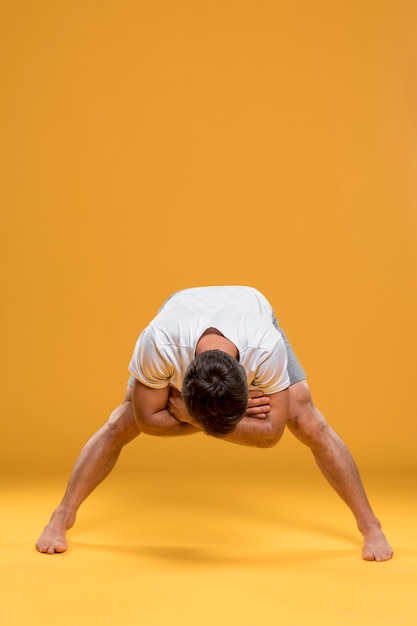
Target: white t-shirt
[(243, 315)]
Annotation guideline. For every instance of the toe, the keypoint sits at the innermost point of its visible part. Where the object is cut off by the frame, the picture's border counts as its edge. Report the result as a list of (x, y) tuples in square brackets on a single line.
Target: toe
[(60, 548), (40, 547)]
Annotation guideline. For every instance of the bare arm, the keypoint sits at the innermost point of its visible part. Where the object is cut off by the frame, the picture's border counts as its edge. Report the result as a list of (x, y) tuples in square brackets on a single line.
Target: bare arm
[(152, 415), (262, 426), (262, 430)]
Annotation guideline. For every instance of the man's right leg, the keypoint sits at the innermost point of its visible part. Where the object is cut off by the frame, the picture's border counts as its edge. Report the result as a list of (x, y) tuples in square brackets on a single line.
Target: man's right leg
[(95, 462)]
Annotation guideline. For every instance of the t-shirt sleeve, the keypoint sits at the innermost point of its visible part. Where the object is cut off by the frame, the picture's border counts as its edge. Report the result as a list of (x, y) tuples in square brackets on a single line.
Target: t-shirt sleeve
[(272, 375), (148, 364)]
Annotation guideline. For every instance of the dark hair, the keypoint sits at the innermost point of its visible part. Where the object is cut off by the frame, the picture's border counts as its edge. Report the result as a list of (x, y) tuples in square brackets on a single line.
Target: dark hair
[(215, 391)]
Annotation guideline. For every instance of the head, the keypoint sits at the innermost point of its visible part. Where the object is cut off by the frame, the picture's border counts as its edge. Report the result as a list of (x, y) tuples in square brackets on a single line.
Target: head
[(215, 391)]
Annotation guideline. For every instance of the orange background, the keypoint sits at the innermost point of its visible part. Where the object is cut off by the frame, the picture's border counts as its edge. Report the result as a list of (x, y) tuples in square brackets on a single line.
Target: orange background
[(150, 146)]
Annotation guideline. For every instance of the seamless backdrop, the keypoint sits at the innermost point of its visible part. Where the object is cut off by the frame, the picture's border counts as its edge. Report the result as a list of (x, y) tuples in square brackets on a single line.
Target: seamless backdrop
[(154, 145)]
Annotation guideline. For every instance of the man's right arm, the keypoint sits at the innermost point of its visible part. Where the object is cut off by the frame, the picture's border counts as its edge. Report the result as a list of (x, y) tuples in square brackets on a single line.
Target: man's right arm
[(152, 415)]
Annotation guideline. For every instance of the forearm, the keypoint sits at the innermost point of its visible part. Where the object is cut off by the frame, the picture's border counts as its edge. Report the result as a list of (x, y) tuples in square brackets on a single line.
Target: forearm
[(259, 433), (264, 422), (163, 424), (152, 413)]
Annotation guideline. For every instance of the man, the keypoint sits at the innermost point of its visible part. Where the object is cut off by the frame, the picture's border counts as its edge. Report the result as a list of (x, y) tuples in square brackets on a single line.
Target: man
[(215, 360)]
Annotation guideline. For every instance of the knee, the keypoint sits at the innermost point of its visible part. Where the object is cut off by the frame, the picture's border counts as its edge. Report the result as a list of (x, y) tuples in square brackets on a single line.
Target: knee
[(121, 425), (305, 420)]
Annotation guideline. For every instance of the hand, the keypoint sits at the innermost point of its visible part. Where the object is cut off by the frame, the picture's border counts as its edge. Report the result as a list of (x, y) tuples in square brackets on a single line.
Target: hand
[(178, 409), (258, 405)]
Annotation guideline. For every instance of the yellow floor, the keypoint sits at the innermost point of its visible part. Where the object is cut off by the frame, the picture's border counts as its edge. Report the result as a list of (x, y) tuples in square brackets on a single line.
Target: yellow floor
[(206, 549)]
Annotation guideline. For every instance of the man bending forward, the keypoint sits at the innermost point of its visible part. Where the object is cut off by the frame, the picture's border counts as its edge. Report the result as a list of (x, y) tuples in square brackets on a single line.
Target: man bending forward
[(215, 360)]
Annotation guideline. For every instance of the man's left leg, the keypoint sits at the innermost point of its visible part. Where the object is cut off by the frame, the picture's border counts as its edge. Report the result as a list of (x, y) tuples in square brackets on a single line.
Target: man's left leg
[(337, 465)]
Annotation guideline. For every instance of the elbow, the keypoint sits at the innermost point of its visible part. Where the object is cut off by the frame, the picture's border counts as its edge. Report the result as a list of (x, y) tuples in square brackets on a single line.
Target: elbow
[(270, 442), (146, 430), (271, 438), (147, 427), (143, 424)]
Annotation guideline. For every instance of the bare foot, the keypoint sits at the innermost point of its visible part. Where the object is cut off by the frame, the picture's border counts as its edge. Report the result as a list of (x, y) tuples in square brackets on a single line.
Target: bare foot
[(376, 546), (53, 539)]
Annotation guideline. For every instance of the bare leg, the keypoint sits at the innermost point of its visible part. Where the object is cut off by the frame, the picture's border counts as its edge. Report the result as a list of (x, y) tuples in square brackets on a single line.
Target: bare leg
[(95, 462), (337, 465)]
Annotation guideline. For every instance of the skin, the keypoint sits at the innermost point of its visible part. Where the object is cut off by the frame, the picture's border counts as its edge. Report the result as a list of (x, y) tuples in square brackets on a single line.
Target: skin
[(161, 412)]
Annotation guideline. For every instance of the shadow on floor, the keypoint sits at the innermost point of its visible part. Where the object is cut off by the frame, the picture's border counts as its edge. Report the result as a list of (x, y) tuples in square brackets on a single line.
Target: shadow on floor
[(200, 556)]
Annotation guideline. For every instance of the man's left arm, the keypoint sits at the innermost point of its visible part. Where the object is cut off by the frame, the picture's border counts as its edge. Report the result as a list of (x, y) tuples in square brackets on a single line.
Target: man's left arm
[(263, 430), (261, 427)]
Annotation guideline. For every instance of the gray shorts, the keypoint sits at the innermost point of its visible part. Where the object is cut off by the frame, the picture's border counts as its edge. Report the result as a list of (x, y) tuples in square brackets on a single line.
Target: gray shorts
[(295, 371)]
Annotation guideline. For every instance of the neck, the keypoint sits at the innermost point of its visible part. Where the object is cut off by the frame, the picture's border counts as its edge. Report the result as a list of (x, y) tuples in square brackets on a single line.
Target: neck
[(212, 339)]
